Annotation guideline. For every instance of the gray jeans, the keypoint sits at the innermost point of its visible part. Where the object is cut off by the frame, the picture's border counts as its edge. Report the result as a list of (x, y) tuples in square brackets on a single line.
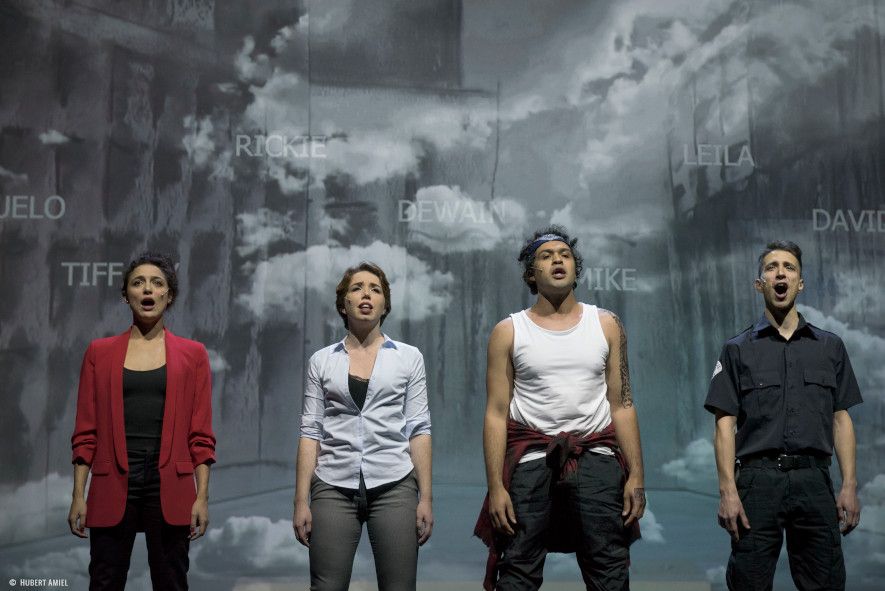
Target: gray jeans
[(338, 516)]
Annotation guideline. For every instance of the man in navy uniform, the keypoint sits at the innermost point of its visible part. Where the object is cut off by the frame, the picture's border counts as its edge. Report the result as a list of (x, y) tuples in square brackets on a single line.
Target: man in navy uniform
[(781, 391)]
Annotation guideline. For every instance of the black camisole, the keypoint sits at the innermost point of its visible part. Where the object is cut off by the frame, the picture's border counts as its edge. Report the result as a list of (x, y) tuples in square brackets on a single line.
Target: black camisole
[(358, 388), (144, 399)]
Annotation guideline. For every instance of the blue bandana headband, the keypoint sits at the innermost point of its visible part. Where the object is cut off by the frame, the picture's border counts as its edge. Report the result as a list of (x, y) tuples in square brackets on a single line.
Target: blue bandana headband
[(542, 239)]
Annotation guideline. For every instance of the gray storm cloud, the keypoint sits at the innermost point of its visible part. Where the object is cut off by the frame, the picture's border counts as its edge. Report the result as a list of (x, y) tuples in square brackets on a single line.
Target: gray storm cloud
[(872, 496), (250, 545), (217, 362), (32, 502), (278, 284), (258, 230), (72, 565), (618, 83), (13, 176), (446, 219), (199, 143), (865, 350), (696, 466), (53, 137)]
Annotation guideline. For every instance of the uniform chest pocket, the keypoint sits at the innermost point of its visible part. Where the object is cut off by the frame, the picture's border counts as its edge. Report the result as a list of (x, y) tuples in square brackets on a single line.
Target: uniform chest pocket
[(820, 385), (761, 394)]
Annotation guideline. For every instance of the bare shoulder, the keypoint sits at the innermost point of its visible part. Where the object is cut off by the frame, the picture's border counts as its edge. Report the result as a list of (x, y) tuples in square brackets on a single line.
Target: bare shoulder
[(502, 335), (611, 324), (505, 325)]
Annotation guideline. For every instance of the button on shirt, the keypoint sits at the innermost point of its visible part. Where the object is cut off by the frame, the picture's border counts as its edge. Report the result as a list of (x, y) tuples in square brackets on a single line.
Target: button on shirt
[(783, 392), (376, 439)]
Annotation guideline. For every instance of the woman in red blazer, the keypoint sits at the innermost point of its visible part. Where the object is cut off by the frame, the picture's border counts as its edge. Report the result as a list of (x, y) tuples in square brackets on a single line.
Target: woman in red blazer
[(144, 429)]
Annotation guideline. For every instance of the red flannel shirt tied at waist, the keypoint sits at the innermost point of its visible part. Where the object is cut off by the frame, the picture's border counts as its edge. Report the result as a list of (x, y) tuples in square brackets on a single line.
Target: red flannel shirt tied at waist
[(564, 450)]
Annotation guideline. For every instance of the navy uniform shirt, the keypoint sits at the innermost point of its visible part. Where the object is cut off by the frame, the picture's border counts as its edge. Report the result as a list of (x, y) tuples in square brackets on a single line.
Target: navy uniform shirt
[(783, 393)]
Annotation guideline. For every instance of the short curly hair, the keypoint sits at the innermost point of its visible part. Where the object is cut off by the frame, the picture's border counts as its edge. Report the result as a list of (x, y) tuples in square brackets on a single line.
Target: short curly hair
[(341, 289), (527, 255), (162, 262)]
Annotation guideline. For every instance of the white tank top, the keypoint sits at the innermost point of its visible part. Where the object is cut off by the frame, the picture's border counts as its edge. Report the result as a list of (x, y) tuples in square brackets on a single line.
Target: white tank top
[(559, 378)]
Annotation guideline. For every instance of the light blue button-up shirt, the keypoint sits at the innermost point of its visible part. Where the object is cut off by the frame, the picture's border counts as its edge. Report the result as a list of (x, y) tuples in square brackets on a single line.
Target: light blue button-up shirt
[(376, 439)]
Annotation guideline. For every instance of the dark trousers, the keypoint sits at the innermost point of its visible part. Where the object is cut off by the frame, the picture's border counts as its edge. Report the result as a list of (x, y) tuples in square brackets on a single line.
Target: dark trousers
[(338, 517), (111, 547), (585, 507), (800, 502)]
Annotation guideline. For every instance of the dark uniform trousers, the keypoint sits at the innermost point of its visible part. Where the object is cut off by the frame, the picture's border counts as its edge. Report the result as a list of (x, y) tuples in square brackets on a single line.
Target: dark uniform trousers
[(799, 501), (585, 505), (167, 545)]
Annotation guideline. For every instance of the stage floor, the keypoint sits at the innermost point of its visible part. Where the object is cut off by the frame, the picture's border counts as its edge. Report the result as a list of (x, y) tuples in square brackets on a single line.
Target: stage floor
[(251, 547)]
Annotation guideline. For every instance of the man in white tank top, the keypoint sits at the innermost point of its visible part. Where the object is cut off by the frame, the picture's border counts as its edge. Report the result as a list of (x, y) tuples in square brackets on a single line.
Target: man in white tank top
[(561, 438)]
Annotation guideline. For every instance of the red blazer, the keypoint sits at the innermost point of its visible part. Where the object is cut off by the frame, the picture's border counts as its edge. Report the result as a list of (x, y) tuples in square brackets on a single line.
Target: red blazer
[(99, 438)]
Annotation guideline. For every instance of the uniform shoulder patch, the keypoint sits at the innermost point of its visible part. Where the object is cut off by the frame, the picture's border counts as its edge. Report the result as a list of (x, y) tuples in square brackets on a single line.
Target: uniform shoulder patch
[(717, 370)]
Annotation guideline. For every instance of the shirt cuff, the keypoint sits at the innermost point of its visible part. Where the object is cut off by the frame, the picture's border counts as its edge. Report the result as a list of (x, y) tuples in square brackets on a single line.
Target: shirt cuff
[(82, 456), (417, 427), (714, 407), (311, 433)]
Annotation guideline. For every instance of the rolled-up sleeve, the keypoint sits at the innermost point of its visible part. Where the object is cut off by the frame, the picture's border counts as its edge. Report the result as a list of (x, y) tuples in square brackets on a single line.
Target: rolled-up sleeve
[(84, 438), (201, 439), (313, 405), (417, 410)]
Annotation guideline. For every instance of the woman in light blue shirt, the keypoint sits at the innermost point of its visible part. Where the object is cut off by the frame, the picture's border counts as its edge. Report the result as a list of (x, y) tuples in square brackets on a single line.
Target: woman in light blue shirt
[(364, 452)]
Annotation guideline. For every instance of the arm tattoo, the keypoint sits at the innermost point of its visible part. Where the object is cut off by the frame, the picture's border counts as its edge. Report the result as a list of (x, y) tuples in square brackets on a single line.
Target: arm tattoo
[(626, 394)]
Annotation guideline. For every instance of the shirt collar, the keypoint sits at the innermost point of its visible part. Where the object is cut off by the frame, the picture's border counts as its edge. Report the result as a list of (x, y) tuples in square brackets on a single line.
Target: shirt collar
[(388, 343), (763, 324)]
